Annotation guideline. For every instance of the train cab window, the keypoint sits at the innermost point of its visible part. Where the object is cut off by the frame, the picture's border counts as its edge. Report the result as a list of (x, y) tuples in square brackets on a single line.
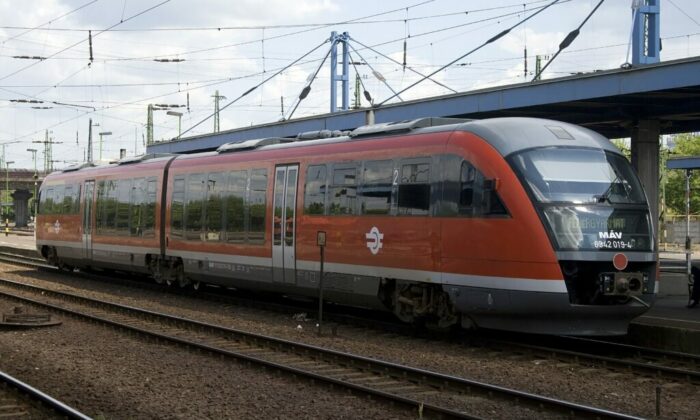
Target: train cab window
[(375, 194), (414, 189), (235, 206), (194, 206), (256, 206), (177, 207), (213, 211), (315, 190), (343, 190)]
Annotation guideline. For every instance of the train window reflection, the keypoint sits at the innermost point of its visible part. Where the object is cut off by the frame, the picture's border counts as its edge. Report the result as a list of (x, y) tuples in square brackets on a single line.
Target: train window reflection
[(343, 191), (414, 189), (315, 190), (375, 194), (177, 207), (235, 206), (194, 203), (256, 205)]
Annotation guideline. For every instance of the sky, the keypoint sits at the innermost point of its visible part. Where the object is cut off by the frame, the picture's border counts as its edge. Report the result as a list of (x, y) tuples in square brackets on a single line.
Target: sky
[(206, 46)]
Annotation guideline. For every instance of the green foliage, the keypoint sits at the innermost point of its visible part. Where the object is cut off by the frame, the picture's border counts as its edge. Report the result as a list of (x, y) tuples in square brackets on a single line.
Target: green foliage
[(686, 145), (623, 146)]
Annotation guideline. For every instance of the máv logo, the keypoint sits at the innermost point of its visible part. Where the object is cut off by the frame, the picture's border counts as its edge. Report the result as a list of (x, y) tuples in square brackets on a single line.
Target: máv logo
[(610, 235), (374, 240)]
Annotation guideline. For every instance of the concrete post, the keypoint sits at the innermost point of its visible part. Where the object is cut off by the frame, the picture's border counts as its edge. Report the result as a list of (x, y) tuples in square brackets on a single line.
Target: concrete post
[(645, 159), (21, 204)]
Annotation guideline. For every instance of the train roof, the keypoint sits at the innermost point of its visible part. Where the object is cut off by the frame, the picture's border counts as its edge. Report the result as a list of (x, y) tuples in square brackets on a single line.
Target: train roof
[(513, 134), (507, 135)]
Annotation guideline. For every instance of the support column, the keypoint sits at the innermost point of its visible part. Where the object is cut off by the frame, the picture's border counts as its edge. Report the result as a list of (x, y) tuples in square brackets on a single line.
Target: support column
[(645, 159), (335, 77), (21, 204), (646, 31)]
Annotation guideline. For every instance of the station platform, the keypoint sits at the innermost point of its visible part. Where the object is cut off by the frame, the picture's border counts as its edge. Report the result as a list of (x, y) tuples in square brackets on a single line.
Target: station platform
[(17, 242), (669, 324)]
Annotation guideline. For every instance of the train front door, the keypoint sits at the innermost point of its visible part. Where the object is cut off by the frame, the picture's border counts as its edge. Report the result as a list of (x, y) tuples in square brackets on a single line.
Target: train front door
[(284, 224), (88, 200)]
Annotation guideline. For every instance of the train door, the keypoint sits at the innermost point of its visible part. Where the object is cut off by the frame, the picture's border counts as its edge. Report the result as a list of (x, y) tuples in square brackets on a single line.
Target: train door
[(284, 224), (88, 200)]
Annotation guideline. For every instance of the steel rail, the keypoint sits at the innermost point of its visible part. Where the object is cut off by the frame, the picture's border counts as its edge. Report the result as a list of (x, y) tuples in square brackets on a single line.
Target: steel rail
[(263, 350), (559, 348), (33, 394), (655, 369)]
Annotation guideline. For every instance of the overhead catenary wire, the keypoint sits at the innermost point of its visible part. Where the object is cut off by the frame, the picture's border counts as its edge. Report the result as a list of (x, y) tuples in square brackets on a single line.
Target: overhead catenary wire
[(40, 27), (490, 40), (364, 88), (305, 92), (257, 86), (407, 67), (568, 40), (357, 21), (377, 74), (83, 40)]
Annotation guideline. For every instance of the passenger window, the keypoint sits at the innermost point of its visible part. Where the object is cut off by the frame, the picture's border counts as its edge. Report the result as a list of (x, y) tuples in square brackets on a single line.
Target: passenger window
[(315, 190), (177, 207), (122, 216), (477, 194), (343, 190), (67, 205), (375, 195), (46, 201), (469, 192), (235, 206), (76, 199), (58, 196), (110, 207), (100, 206), (138, 204), (149, 226), (414, 189), (216, 185), (194, 204), (257, 205)]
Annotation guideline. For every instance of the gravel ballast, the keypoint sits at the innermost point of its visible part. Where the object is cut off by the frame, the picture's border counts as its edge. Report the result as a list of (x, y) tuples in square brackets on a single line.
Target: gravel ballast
[(100, 371)]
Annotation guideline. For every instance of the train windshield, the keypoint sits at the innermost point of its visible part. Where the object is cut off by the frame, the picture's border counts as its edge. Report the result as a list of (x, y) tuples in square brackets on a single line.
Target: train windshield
[(590, 199), (579, 176)]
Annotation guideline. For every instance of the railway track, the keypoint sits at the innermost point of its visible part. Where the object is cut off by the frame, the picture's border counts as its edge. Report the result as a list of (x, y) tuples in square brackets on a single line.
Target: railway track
[(642, 361), (430, 394), (605, 354), (19, 400)]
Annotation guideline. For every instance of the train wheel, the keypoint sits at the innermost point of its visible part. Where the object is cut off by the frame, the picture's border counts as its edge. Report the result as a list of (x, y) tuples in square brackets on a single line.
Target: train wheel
[(52, 256), (182, 279)]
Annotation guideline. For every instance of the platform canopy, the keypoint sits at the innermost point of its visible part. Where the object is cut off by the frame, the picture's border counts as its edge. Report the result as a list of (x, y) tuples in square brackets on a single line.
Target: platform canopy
[(687, 162)]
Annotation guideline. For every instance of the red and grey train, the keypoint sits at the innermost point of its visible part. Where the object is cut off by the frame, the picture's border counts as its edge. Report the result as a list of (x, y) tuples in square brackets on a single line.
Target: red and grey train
[(519, 224)]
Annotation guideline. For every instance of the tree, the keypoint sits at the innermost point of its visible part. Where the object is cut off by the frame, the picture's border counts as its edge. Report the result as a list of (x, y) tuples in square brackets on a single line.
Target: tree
[(686, 145)]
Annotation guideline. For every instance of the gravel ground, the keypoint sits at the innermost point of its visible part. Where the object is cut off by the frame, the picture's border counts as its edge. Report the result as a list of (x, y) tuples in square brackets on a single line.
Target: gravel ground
[(78, 363)]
